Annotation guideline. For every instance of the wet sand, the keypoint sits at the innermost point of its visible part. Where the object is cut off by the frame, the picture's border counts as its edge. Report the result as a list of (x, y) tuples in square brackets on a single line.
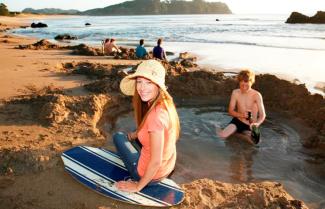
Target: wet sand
[(39, 124)]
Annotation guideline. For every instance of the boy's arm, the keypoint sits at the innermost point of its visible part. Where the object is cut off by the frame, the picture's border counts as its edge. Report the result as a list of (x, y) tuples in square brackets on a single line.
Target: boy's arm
[(232, 106), (261, 110)]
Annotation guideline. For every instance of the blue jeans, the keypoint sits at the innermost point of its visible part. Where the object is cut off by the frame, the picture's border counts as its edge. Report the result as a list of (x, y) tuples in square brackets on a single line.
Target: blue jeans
[(130, 156)]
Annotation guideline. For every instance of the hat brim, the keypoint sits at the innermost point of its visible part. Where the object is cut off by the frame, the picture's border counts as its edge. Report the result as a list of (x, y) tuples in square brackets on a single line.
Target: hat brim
[(127, 84)]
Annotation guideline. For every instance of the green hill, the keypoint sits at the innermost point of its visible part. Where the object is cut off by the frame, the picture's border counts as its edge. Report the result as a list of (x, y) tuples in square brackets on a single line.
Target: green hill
[(157, 7), (51, 11)]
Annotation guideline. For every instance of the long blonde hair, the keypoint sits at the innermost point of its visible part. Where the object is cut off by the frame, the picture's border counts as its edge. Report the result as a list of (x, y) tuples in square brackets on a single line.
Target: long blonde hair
[(141, 110)]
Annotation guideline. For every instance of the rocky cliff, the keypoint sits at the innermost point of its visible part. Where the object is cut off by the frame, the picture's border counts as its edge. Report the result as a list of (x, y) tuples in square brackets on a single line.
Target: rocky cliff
[(296, 17)]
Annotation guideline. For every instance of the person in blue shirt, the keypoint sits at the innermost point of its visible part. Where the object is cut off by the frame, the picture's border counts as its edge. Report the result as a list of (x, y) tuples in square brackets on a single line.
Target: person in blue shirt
[(159, 52), (140, 51)]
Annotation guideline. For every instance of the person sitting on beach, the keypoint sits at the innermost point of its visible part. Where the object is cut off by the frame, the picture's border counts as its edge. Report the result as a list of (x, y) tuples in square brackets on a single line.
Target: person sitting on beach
[(158, 51), (111, 47), (105, 44), (158, 128), (140, 51), (246, 107)]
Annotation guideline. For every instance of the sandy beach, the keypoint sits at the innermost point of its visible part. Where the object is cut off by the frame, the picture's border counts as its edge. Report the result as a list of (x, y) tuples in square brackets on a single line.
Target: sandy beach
[(46, 109)]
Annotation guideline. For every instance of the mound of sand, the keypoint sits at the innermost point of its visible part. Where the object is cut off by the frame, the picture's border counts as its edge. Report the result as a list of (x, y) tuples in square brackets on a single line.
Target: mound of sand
[(42, 44), (206, 193)]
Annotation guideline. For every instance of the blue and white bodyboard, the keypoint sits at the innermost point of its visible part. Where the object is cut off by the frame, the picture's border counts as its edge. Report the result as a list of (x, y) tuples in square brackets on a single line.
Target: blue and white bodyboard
[(99, 169)]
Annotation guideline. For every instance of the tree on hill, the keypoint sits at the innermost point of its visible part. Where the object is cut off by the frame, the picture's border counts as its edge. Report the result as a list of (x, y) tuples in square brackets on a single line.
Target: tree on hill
[(3, 10)]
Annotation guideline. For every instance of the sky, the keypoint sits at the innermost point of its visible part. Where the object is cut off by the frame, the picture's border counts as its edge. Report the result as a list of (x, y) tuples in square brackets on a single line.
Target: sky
[(308, 7)]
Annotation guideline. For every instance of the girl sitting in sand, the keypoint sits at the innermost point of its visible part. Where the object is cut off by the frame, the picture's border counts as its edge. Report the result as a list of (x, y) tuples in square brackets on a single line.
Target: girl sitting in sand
[(157, 128)]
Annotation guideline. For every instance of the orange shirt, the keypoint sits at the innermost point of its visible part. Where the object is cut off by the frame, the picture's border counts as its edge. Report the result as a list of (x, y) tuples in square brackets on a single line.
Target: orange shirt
[(157, 120)]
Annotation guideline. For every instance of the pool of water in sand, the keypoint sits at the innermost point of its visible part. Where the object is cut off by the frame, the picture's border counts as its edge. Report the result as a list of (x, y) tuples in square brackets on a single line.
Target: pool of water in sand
[(278, 157)]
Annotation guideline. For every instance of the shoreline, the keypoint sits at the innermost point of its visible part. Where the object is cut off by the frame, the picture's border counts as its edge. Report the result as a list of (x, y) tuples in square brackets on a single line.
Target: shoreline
[(53, 138), (314, 86)]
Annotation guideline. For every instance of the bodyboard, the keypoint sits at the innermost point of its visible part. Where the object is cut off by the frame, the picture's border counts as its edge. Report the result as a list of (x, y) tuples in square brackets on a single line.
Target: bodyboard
[(99, 169)]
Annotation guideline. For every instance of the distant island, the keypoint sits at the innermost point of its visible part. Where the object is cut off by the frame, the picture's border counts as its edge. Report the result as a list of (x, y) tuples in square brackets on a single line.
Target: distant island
[(146, 7), (51, 11), (296, 17)]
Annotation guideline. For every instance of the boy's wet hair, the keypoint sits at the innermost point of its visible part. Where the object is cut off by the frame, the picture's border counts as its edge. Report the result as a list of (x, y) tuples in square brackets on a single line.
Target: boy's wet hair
[(159, 41), (141, 41), (246, 75)]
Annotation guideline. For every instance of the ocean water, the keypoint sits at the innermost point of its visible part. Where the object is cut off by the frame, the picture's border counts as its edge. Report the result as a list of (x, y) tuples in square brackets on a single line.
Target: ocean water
[(263, 43)]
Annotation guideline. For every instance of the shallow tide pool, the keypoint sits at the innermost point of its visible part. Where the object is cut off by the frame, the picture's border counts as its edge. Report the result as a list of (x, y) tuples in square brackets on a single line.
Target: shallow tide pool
[(278, 157)]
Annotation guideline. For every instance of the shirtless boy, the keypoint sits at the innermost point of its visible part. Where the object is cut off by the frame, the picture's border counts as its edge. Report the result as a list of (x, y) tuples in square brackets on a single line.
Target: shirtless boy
[(246, 107)]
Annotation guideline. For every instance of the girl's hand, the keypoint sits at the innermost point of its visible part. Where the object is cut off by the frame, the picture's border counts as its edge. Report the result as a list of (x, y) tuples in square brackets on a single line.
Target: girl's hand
[(127, 186), (132, 135)]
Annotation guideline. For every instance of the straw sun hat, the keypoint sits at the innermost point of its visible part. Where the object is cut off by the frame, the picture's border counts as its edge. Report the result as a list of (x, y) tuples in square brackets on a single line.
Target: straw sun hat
[(150, 69)]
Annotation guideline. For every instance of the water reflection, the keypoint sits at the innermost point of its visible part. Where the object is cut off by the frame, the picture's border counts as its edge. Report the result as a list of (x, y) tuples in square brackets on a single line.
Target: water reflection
[(241, 160)]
